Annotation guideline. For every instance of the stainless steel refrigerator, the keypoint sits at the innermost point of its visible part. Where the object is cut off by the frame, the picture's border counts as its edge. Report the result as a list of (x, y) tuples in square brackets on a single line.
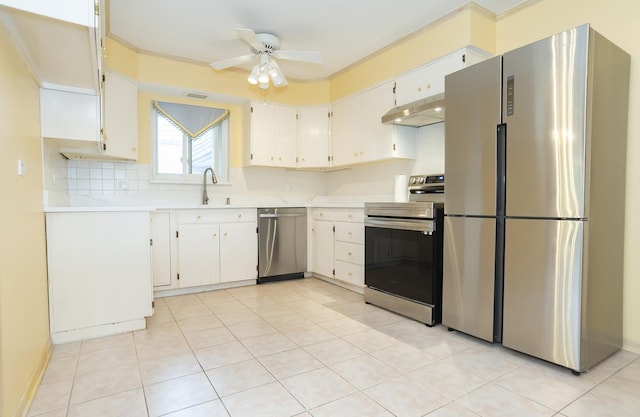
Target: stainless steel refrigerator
[(535, 151)]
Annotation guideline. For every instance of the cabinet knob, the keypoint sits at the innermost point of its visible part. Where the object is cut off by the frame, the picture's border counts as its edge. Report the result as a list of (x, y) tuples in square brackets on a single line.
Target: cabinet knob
[(349, 253), (272, 158), (350, 274), (214, 234), (198, 217), (350, 215), (225, 233), (280, 159), (239, 215), (349, 233)]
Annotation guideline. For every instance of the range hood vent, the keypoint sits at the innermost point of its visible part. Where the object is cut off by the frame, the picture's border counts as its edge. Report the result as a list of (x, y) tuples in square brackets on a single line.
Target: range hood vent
[(419, 113)]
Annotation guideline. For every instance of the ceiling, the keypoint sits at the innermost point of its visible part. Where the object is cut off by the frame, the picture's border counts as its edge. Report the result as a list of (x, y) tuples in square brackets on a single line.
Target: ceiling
[(344, 31)]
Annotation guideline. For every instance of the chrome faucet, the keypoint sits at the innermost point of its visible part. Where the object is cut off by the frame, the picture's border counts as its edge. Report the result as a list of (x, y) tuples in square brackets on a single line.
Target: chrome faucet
[(214, 180)]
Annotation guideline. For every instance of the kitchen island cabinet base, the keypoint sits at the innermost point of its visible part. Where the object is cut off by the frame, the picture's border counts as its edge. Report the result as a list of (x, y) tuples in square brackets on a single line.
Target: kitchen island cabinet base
[(98, 331)]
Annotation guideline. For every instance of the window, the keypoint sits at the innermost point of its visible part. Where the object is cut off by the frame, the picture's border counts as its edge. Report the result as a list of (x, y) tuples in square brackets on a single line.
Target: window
[(187, 140)]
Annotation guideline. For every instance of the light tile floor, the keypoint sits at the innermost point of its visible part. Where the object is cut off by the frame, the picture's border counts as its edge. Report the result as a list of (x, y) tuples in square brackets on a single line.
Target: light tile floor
[(310, 348)]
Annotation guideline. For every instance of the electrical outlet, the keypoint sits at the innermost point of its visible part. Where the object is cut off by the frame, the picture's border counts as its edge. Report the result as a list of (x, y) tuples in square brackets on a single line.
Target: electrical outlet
[(123, 185), (288, 188)]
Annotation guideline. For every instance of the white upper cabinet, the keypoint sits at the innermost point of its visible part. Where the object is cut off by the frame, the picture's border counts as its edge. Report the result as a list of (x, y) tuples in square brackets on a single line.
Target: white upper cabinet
[(272, 140), (313, 137), (358, 135), (61, 40), (120, 118), (428, 80), (70, 115)]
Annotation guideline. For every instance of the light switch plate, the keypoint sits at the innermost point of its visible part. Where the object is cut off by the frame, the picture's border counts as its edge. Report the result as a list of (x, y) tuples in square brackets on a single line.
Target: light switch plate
[(22, 169)]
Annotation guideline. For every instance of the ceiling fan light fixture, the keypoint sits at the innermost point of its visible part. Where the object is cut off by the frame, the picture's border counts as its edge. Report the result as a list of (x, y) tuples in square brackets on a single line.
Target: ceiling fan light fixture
[(264, 86), (263, 76), (253, 77), (276, 77)]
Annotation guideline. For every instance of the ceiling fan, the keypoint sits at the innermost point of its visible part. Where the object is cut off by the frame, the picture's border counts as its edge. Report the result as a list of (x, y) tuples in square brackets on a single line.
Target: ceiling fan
[(266, 47)]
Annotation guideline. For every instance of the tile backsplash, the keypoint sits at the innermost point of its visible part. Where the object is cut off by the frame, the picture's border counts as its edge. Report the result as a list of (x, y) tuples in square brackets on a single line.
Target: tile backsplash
[(107, 178)]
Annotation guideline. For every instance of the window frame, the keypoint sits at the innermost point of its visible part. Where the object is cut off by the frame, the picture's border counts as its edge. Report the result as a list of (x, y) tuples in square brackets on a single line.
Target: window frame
[(222, 158)]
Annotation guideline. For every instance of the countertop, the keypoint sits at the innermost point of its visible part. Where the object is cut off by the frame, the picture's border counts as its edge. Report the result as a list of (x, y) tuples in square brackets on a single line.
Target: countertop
[(199, 207)]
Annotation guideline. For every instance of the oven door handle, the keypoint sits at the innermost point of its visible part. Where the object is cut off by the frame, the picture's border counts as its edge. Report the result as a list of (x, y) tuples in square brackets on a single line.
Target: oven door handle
[(426, 227)]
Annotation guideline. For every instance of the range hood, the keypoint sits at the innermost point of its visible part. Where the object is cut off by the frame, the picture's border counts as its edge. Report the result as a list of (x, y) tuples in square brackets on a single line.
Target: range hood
[(419, 113)]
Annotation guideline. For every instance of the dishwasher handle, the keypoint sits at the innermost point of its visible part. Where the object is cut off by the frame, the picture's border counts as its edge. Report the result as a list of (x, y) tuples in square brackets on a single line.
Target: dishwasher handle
[(275, 216)]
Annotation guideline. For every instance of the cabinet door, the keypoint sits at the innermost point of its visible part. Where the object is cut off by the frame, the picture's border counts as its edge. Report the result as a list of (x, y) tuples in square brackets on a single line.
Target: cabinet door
[(429, 79), (322, 244), (262, 134), (375, 139), (238, 252), (98, 281), (70, 115), (343, 131), (161, 248), (285, 136), (313, 136), (120, 117), (198, 254)]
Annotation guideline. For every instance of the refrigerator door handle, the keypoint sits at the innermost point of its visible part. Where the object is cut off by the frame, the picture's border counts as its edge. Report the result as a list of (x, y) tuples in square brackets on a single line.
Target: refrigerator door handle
[(501, 168)]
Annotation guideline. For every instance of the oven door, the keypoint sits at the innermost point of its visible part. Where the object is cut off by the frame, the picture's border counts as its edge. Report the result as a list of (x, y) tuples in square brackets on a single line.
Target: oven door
[(404, 258)]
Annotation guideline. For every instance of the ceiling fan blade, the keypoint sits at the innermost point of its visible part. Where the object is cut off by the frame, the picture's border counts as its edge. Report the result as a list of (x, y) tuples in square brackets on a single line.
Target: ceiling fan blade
[(250, 37), (232, 62), (313, 57)]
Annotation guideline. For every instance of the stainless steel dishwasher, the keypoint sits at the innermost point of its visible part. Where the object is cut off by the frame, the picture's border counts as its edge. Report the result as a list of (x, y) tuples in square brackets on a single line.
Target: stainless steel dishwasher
[(282, 243)]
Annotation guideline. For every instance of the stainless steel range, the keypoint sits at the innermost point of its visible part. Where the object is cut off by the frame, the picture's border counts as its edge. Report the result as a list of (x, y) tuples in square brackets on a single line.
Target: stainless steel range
[(403, 251)]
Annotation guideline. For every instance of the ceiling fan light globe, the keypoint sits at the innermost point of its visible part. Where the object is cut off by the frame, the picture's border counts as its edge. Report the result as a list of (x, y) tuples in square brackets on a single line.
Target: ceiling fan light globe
[(253, 77), (264, 86), (276, 77), (263, 77)]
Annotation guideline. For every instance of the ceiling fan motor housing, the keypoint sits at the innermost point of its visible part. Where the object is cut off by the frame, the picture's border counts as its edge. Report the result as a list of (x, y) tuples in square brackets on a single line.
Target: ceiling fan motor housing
[(270, 41)]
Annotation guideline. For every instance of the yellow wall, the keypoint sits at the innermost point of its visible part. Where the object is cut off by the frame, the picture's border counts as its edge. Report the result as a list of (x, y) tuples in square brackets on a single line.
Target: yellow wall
[(24, 319)]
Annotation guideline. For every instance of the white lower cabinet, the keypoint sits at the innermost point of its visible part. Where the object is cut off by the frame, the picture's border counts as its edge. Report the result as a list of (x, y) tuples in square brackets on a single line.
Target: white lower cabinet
[(338, 244), (216, 246), (161, 237), (238, 251), (99, 267), (199, 254), (322, 247)]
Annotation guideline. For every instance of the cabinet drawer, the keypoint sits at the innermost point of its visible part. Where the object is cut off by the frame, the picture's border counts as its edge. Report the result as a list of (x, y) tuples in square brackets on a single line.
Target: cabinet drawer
[(216, 216), (349, 215), (349, 272), (350, 252), (350, 232), (321, 214)]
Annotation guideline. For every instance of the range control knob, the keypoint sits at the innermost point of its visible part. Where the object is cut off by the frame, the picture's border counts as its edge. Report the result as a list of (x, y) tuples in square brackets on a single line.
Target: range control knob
[(412, 180), (421, 180)]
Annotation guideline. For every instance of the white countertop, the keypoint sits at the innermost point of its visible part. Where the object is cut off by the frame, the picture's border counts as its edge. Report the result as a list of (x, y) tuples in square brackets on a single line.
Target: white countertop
[(199, 207)]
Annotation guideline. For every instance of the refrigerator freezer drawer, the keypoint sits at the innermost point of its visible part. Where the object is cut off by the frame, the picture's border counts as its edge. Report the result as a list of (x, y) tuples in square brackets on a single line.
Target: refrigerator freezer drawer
[(543, 289), (469, 275)]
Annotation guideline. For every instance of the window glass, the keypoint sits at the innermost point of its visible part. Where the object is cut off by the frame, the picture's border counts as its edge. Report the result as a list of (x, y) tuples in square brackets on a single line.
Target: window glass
[(179, 154)]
